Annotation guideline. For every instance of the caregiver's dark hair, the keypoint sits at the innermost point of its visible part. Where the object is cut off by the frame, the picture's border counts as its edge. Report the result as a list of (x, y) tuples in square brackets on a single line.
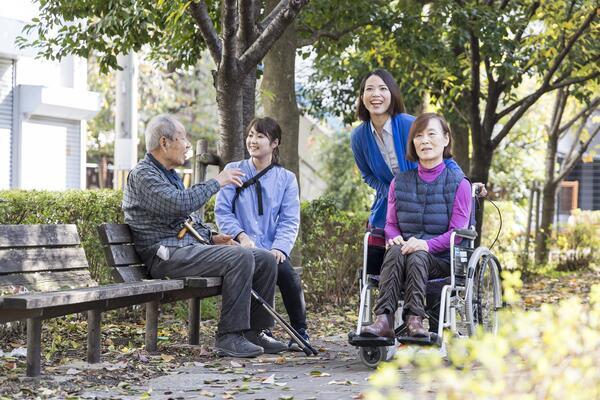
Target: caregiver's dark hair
[(267, 126), (419, 125), (396, 102)]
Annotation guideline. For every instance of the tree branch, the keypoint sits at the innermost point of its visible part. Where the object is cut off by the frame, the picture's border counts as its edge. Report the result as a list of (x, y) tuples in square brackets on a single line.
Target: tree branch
[(573, 81), (582, 114), (541, 90), (571, 42), (269, 18), (475, 86), (570, 164), (557, 113), (270, 34), (317, 34), (247, 31), (199, 13), (230, 27)]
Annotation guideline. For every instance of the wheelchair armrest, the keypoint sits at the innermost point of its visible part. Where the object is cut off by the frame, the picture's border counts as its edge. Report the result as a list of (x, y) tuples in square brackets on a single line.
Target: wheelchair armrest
[(466, 233)]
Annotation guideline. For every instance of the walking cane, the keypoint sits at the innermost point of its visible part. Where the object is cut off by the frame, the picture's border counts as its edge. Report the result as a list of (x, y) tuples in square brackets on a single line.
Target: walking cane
[(302, 343)]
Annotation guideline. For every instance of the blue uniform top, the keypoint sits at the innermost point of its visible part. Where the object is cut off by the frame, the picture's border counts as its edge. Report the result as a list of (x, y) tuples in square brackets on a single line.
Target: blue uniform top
[(372, 166), (278, 227)]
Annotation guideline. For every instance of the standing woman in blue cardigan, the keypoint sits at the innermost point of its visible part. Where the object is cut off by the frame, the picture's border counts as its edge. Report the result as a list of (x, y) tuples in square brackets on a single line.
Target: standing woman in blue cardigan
[(379, 143)]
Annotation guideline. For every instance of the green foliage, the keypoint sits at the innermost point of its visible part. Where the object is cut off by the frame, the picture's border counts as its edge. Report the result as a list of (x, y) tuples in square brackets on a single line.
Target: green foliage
[(579, 241), (117, 27), (344, 182), (548, 354), (86, 209), (331, 251)]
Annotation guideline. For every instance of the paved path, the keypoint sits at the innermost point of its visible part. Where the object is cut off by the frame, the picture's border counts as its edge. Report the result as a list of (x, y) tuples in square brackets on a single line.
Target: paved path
[(335, 374)]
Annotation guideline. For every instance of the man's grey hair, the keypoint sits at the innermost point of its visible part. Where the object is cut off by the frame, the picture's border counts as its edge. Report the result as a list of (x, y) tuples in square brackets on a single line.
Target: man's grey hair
[(162, 125)]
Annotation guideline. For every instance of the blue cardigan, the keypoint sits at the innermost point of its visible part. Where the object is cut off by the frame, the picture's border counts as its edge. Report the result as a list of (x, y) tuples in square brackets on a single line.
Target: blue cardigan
[(375, 172)]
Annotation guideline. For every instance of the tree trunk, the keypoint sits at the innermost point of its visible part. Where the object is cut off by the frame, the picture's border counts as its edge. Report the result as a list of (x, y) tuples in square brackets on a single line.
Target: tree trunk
[(460, 132), (480, 172), (545, 228), (231, 117), (548, 192), (279, 93)]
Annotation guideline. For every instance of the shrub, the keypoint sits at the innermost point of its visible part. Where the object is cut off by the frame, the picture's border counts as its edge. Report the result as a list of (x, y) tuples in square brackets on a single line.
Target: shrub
[(331, 251), (86, 209), (548, 354), (578, 242), (510, 243)]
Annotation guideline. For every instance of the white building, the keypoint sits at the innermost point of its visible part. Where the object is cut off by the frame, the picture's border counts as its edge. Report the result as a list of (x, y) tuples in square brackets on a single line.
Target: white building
[(43, 109)]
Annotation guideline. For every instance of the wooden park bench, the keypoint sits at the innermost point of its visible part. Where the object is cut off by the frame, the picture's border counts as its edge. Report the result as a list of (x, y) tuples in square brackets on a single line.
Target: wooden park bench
[(127, 267), (48, 262)]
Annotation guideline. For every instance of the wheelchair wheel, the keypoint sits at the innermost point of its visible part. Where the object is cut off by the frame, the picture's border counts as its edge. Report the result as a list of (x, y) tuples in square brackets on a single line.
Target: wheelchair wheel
[(372, 356), (488, 294), (483, 296)]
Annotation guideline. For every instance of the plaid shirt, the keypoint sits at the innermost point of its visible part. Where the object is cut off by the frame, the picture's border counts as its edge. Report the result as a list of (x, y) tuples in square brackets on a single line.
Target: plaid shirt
[(156, 209)]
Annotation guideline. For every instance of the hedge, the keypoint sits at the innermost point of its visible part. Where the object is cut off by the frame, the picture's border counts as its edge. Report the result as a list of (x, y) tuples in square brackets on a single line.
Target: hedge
[(331, 246), (86, 209)]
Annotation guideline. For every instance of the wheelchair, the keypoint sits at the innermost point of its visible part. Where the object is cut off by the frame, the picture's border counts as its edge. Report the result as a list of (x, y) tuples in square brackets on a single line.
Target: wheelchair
[(471, 296)]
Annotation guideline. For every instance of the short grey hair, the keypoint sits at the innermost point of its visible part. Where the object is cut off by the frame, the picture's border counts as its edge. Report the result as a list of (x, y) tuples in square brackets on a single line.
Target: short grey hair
[(162, 125)]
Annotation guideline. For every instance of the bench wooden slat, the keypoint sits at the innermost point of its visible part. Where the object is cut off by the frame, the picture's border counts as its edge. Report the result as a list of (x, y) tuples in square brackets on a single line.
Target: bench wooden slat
[(115, 233), (203, 282), (66, 297), (38, 235), (40, 259), (47, 281), (121, 255), (130, 273)]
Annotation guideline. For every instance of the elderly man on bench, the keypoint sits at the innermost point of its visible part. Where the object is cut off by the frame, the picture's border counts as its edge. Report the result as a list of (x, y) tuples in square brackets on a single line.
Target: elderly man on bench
[(157, 205)]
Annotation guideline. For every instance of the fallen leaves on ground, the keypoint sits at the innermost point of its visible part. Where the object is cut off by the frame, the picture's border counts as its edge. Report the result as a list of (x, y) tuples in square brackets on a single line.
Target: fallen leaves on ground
[(126, 365)]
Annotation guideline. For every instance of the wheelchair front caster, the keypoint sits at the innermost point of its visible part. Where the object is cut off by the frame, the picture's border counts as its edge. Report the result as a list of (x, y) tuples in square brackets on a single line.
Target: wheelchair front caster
[(372, 356)]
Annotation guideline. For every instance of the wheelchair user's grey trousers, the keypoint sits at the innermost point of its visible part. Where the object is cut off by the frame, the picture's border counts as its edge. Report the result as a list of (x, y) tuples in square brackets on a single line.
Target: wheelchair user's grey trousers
[(242, 270), (409, 273)]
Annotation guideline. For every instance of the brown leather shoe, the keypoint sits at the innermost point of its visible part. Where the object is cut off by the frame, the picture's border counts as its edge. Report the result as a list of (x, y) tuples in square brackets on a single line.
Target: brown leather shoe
[(382, 326), (415, 326)]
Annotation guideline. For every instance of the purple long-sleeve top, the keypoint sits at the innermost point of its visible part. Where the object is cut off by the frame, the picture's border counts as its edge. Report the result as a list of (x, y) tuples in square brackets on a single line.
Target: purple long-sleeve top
[(461, 210)]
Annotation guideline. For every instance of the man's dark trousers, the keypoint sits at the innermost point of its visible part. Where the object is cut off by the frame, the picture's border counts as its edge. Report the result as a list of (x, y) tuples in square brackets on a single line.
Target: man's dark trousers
[(241, 269)]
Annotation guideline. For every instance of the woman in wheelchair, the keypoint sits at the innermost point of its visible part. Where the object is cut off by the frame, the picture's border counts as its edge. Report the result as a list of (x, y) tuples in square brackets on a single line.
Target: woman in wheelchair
[(379, 143), (424, 206)]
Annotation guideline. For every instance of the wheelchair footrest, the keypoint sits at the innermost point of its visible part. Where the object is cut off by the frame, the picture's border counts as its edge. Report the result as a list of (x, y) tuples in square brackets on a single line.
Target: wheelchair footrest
[(432, 340), (369, 341)]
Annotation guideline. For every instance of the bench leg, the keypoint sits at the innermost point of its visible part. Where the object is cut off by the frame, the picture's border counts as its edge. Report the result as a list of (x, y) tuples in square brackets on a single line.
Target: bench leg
[(151, 325), (94, 336), (34, 346), (194, 321)]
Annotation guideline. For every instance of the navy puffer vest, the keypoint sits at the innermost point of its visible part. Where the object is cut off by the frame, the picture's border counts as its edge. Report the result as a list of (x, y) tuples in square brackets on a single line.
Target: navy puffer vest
[(424, 209)]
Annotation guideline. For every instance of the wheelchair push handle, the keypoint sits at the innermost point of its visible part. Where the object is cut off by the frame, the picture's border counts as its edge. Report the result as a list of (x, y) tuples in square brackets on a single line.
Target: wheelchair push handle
[(469, 234)]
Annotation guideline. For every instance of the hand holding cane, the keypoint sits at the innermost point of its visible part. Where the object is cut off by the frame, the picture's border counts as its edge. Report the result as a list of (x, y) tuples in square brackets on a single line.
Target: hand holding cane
[(304, 345)]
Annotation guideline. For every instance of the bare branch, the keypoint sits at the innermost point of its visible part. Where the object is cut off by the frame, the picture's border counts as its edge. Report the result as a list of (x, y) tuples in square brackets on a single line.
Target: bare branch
[(200, 14), (229, 30), (270, 34), (269, 18), (573, 81), (559, 109), (248, 11), (541, 90), (317, 34), (570, 164), (584, 113)]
